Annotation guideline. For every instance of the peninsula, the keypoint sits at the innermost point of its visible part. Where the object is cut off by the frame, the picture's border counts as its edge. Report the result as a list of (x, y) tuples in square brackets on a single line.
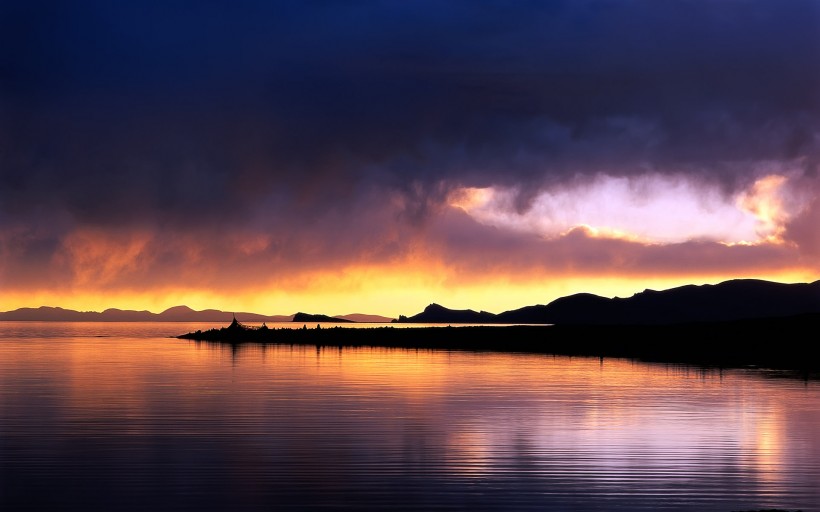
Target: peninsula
[(743, 322), (780, 342)]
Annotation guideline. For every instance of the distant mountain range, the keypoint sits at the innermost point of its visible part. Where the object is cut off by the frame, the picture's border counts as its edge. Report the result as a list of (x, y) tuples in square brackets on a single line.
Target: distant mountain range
[(174, 314), (737, 299), (728, 301)]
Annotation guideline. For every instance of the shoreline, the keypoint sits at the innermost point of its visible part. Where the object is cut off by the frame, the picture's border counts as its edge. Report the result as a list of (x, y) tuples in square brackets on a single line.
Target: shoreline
[(775, 343)]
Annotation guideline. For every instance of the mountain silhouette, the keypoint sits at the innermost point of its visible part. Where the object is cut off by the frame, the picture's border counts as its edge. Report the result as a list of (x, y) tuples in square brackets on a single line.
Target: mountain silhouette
[(174, 314), (737, 299), (435, 313)]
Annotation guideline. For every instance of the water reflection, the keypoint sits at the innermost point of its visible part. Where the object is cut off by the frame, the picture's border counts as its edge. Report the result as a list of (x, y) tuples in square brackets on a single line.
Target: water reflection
[(133, 422)]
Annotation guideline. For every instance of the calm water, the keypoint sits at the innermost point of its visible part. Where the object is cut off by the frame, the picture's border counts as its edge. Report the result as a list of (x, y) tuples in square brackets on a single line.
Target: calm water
[(120, 417)]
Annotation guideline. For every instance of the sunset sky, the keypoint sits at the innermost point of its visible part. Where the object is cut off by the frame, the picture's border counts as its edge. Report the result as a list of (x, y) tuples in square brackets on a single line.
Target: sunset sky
[(376, 156)]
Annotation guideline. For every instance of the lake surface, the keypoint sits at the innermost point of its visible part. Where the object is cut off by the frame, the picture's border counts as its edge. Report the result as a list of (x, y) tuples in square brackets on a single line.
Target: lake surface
[(98, 416)]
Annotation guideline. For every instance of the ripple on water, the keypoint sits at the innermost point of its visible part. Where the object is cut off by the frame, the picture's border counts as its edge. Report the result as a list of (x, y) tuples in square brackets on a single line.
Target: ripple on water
[(120, 417)]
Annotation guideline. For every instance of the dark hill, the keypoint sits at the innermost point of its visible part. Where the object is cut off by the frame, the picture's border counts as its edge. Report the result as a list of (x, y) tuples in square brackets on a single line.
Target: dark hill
[(435, 313), (728, 301)]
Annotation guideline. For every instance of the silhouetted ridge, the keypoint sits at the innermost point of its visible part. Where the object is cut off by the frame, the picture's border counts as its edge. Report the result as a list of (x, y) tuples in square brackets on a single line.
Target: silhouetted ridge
[(174, 314), (435, 313), (728, 301), (731, 300)]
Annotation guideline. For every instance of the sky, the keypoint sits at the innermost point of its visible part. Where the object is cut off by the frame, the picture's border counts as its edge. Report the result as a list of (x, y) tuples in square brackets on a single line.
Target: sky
[(377, 156)]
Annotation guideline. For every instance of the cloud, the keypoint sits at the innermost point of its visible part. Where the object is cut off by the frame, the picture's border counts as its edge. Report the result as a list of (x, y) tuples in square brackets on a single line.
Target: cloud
[(473, 249), (651, 208), (191, 139)]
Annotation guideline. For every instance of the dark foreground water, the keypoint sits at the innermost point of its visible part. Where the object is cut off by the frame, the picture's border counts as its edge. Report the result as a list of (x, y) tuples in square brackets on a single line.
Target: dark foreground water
[(120, 417)]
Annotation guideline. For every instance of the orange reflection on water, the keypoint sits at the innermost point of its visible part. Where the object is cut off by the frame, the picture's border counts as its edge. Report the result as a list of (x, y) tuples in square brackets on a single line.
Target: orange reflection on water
[(472, 415), (762, 442)]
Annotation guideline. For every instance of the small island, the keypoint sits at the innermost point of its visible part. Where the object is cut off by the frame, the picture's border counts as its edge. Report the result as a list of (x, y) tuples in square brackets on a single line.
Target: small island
[(308, 317)]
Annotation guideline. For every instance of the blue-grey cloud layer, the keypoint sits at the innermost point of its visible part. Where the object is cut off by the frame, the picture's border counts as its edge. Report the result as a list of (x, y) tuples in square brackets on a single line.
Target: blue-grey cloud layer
[(196, 115)]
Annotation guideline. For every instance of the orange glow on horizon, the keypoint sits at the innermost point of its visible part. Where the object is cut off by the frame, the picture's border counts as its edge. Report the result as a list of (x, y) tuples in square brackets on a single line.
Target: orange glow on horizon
[(389, 291)]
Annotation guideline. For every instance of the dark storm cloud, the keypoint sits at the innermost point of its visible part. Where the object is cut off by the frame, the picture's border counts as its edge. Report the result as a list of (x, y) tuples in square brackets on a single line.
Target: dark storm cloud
[(210, 113)]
